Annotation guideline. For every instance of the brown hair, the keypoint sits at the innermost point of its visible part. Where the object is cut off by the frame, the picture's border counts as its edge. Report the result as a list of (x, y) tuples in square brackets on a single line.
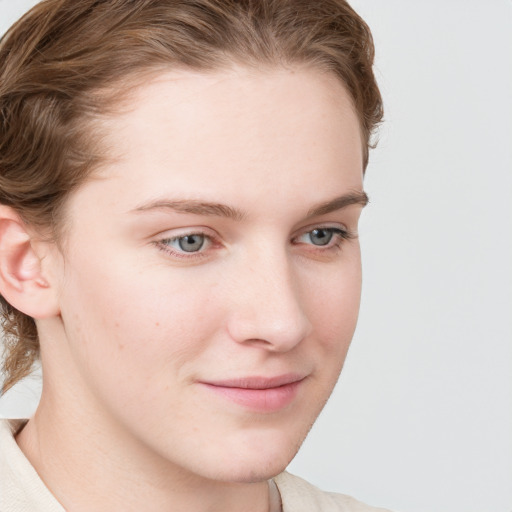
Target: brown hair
[(60, 59)]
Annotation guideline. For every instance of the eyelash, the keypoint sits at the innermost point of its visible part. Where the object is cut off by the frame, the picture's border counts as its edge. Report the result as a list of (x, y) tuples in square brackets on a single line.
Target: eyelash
[(339, 236)]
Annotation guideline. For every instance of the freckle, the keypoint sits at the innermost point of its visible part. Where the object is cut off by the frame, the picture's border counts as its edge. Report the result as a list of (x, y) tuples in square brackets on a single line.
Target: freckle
[(117, 324)]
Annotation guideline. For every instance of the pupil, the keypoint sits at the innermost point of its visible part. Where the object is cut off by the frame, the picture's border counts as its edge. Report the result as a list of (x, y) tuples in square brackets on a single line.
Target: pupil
[(191, 243), (321, 236)]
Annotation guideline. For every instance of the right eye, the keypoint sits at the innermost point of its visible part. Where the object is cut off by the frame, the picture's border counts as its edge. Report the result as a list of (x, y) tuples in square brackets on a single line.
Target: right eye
[(187, 243), (190, 244)]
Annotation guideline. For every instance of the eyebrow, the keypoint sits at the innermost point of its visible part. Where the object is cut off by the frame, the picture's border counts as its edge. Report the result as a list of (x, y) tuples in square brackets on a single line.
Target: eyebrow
[(206, 208), (195, 207), (360, 198)]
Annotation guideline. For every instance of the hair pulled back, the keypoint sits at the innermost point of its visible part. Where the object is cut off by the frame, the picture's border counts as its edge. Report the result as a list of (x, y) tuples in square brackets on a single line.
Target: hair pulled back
[(66, 62)]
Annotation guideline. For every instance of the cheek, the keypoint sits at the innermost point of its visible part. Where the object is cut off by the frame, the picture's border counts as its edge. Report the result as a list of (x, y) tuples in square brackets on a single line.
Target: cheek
[(126, 329), (333, 302), (333, 305)]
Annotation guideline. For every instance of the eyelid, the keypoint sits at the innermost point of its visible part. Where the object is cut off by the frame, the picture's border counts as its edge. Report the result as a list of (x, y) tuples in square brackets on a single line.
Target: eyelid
[(337, 227)]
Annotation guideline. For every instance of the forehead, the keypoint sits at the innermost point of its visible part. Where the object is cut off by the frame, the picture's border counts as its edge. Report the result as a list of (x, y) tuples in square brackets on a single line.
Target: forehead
[(234, 132)]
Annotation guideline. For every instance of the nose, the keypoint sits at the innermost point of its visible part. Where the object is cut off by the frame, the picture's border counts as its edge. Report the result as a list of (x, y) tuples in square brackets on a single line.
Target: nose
[(267, 308)]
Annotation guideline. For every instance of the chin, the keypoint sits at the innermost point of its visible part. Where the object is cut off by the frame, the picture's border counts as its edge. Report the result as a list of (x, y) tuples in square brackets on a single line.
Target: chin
[(248, 471), (259, 458)]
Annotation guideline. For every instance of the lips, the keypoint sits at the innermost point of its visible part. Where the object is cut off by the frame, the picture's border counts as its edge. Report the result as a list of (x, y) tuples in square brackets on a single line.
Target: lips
[(260, 394)]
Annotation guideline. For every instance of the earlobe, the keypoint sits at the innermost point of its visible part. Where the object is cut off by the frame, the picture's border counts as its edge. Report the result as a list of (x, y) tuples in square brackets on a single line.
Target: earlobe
[(22, 280)]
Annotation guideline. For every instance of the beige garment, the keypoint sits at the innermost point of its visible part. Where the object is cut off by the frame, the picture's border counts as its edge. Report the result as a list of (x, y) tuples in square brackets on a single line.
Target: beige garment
[(22, 490), (297, 495)]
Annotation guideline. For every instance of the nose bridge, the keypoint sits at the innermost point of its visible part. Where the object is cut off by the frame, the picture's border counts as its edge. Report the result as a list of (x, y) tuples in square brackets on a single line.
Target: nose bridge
[(269, 308)]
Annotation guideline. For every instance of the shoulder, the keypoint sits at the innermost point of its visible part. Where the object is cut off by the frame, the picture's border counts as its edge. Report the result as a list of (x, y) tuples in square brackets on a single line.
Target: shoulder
[(297, 495)]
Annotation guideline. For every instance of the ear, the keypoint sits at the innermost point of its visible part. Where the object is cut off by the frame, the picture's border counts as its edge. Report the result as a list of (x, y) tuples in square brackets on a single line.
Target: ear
[(22, 280)]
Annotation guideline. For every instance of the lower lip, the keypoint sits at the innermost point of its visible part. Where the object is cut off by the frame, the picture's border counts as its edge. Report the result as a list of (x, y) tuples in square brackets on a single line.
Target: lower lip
[(259, 400)]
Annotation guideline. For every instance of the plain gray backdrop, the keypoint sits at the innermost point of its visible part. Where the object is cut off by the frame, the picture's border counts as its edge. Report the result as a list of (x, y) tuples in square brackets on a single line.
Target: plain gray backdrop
[(421, 419)]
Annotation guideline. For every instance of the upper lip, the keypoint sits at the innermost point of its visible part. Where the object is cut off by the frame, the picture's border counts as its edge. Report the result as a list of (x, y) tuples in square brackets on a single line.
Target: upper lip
[(257, 382)]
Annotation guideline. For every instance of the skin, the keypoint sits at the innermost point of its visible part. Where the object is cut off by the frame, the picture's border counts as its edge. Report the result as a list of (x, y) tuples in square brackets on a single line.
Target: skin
[(134, 326)]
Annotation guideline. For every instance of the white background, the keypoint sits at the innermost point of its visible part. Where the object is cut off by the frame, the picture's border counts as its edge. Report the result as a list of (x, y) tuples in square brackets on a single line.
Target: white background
[(421, 420)]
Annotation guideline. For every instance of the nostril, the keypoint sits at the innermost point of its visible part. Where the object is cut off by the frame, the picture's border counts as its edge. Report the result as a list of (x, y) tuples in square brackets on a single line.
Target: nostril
[(258, 343)]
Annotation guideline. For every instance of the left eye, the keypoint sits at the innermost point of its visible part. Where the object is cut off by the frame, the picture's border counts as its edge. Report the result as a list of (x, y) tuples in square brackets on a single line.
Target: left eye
[(188, 243), (320, 236)]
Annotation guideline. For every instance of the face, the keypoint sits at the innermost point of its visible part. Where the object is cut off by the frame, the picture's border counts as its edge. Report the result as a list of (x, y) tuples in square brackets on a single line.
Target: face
[(210, 280)]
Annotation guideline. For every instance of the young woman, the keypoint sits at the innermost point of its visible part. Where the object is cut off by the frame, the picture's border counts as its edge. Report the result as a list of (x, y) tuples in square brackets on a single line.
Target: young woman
[(180, 188)]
